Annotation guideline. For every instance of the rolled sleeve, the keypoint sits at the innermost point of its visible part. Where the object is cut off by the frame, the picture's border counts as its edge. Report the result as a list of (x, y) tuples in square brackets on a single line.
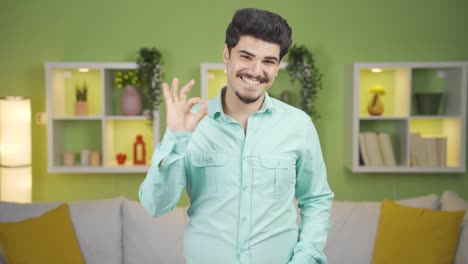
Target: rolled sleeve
[(161, 189)]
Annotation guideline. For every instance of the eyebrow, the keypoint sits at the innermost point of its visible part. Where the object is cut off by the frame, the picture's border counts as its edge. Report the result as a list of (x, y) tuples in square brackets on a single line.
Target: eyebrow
[(253, 55)]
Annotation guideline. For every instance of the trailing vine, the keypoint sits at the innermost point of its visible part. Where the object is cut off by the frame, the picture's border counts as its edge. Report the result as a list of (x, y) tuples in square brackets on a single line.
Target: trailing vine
[(149, 71), (301, 68)]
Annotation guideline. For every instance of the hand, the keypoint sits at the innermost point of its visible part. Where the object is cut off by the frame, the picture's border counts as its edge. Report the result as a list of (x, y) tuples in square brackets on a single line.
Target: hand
[(178, 108)]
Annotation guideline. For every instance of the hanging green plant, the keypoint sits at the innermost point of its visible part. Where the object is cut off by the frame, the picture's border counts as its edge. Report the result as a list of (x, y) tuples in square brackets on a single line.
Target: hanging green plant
[(301, 68), (149, 71)]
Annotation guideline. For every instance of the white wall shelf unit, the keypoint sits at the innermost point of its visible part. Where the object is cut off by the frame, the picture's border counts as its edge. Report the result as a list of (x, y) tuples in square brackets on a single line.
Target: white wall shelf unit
[(103, 129), (422, 141)]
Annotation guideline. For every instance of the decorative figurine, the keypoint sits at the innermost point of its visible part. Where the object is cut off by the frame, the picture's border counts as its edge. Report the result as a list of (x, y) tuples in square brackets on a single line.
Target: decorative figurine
[(139, 151), (121, 157)]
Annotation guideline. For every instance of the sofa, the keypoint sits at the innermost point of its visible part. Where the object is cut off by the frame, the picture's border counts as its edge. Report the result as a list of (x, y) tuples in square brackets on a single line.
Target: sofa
[(119, 231)]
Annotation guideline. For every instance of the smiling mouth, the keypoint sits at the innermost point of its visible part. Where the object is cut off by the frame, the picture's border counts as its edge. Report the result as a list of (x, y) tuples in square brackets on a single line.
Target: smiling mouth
[(252, 80)]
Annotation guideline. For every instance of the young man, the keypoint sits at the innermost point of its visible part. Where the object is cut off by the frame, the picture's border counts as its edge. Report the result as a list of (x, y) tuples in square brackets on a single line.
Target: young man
[(243, 158)]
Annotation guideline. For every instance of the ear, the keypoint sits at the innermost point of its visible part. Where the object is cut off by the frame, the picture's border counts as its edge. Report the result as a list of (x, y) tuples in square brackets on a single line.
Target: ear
[(226, 54), (278, 68)]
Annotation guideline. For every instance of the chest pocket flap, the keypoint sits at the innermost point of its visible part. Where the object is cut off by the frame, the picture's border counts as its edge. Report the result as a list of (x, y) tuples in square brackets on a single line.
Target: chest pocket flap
[(209, 159), (277, 162)]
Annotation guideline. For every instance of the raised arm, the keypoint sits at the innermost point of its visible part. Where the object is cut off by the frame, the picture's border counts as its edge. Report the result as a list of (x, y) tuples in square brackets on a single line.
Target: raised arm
[(166, 179)]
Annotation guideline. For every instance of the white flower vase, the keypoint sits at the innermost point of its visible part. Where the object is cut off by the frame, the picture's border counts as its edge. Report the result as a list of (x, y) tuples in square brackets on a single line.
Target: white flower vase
[(130, 101)]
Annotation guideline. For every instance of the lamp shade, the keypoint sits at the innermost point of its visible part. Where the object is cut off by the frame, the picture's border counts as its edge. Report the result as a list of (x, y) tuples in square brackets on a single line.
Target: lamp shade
[(15, 149), (15, 132), (16, 185)]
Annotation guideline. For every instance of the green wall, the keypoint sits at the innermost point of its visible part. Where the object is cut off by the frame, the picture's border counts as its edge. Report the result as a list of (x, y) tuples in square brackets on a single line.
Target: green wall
[(338, 32)]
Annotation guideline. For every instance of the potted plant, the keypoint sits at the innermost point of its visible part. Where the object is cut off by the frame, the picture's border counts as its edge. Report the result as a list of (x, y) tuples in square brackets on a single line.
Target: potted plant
[(81, 97), (149, 71), (130, 101), (301, 68)]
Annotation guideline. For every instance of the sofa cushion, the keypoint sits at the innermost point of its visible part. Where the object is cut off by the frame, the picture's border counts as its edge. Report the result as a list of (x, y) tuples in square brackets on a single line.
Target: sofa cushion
[(451, 201), (152, 240), (98, 226), (357, 222), (49, 238), (12, 212), (416, 235)]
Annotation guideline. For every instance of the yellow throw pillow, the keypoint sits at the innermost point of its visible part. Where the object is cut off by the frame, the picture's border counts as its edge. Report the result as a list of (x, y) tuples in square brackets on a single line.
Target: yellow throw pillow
[(416, 235), (49, 239)]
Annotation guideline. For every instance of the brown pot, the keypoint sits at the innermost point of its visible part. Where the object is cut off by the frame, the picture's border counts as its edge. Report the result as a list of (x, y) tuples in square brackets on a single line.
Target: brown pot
[(375, 106), (95, 158), (81, 108)]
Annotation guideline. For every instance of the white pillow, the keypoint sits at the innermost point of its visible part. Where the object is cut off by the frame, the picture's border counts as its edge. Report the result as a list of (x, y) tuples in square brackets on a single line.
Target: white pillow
[(451, 201), (148, 240), (354, 226)]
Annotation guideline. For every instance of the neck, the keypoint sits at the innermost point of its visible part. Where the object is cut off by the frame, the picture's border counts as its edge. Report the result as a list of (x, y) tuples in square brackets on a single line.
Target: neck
[(239, 110)]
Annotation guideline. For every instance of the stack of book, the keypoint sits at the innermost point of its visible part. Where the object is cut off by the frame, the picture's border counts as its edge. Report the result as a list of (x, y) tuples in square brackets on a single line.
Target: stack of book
[(428, 151), (376, 149)]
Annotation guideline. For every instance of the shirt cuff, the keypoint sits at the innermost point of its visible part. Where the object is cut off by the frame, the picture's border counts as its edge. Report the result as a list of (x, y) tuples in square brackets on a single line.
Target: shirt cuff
[(171, 141)]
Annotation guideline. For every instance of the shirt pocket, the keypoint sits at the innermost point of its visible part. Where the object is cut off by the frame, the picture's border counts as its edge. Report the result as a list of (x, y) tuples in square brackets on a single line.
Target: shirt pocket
[(207, 172), (274, 175)]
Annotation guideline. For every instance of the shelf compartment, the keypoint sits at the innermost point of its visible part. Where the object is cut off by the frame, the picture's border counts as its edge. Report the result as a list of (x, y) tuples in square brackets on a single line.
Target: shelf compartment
[(120, 134), (445, 80), (396, 129), (64, 82), (112, 92), (396, 83), (449, 128), (75, 136)]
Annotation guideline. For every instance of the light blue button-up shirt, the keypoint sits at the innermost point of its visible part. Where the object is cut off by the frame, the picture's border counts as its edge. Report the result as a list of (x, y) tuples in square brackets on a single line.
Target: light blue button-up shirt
[(242, 187)]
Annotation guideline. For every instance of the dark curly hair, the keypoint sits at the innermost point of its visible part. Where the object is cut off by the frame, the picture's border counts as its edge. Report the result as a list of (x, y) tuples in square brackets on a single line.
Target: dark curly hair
[(261, 24)]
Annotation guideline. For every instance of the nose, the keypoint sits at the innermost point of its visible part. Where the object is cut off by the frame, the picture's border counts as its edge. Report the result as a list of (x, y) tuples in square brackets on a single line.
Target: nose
[(255, 68)]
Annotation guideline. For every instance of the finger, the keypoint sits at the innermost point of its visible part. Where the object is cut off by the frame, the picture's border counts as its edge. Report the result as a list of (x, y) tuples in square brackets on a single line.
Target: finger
[(167, 93), (202, 112), (185, 90), (191, 102), (175, 87)]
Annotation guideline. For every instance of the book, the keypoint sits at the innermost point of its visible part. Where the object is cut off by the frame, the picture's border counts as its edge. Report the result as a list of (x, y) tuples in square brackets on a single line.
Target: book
[(386, 149), (363, 150), (441, 148), (430, 152), (372, 148), (415, 156)]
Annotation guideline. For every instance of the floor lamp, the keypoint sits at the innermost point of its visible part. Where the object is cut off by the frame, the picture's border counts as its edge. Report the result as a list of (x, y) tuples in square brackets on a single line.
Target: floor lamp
[(15, 149)]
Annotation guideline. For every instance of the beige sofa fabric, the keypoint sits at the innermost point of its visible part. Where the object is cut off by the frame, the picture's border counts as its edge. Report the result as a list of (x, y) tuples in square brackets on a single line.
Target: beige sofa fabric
[(451, 201)]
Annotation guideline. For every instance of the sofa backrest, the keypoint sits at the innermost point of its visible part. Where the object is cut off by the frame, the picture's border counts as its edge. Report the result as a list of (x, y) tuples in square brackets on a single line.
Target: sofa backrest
[(152, 240), (354, 227), (98, 226)]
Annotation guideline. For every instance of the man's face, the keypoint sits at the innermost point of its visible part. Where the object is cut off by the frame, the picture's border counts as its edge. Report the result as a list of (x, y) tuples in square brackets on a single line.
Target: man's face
[(251, 67)]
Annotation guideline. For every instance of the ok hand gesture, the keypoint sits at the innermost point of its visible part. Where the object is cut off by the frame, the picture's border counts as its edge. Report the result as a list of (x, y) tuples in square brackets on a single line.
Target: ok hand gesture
[(178, 114)]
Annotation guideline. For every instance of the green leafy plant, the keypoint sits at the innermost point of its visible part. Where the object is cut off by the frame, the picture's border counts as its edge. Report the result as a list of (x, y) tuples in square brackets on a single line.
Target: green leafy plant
[(301, 68), (123, 78), (149, 71), (81, 93)]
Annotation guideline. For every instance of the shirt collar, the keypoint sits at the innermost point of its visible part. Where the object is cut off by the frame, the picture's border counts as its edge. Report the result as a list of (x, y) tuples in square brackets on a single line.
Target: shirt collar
[(215, 105)]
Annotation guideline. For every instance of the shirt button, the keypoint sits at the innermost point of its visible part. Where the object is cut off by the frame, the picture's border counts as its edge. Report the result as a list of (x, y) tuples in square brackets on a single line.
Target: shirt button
[(244, 188), (209, 159), (244, 219)]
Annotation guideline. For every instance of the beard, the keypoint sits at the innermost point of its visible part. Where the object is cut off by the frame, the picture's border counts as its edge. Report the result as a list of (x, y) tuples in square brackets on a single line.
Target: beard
[(245, 99)]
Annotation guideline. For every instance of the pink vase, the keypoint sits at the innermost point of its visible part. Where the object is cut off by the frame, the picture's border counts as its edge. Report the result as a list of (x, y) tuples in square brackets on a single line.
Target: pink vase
[(130, 101)]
